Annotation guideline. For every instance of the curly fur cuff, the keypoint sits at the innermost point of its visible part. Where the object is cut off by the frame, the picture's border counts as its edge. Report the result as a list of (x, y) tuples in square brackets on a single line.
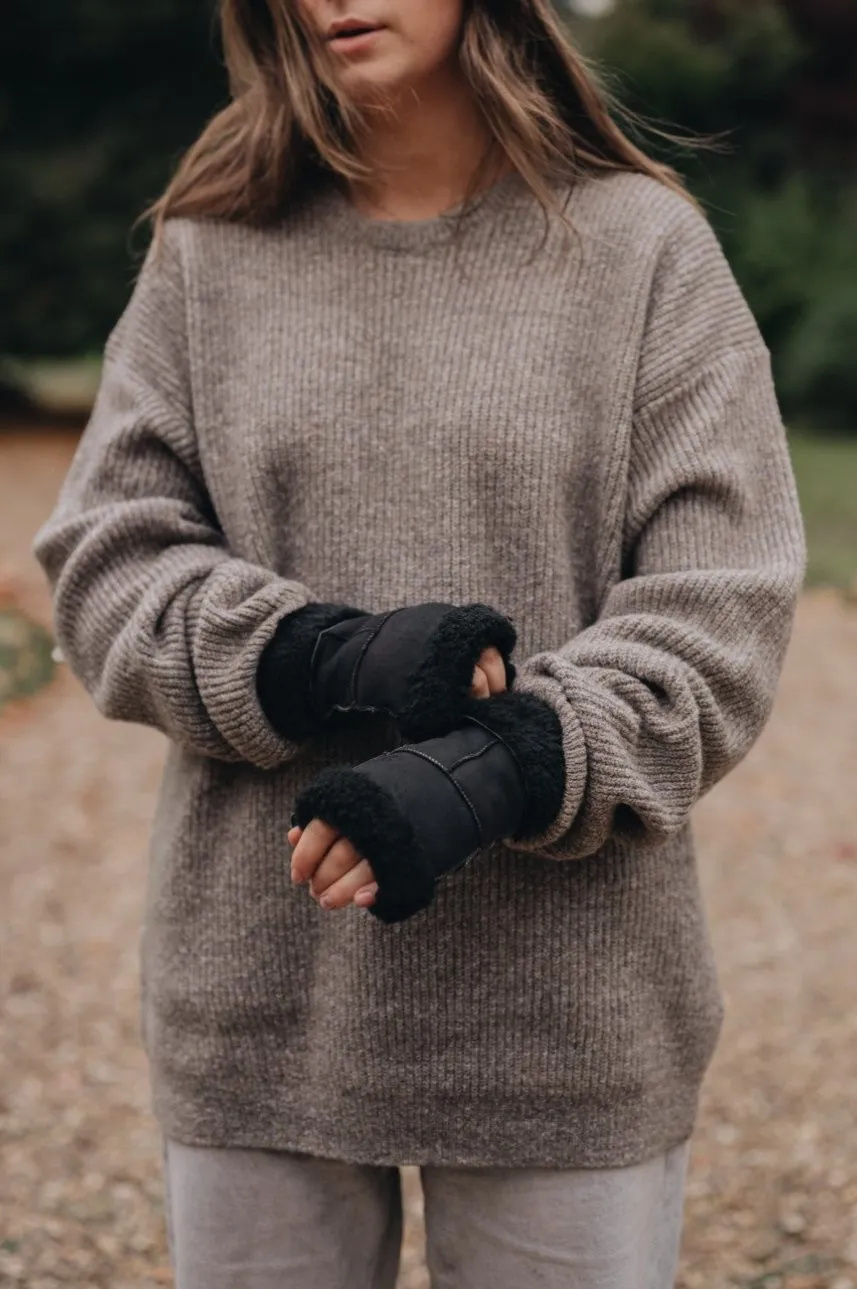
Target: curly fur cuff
[(372, 821), (284, 677), (439, 688), (532, 732)]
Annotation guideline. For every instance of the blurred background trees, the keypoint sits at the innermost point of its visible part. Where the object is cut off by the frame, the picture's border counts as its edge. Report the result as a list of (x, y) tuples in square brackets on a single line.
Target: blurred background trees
[(776, 83), (98, 100)]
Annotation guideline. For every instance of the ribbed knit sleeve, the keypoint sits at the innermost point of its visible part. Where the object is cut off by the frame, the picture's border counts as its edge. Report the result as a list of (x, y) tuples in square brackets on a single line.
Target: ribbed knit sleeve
[(159, 621), (669, 688)]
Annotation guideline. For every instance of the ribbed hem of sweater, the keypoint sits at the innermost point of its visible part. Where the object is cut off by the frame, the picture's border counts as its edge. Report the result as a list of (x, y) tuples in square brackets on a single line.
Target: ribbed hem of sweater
[(473, 1134)]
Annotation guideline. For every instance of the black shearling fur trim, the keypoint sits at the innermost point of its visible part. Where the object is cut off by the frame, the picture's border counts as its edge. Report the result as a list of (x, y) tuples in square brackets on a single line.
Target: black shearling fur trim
[(371, 820), (531, 730), (439, 688), (284, 676)]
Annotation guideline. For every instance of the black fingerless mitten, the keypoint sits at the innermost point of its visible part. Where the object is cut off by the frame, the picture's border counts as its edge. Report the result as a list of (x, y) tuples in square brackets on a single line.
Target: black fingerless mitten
[(424, 809), (415, 664), (284, 678)]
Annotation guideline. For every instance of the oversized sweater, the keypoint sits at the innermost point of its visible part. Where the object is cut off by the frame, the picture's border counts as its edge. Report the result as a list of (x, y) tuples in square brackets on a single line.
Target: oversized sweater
[(576, 428)]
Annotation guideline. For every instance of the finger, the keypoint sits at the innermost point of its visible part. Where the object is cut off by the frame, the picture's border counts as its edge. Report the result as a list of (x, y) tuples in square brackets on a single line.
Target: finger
[(317, 839), (339, 860), (365, 897), (494, 668), (342, 892), (480, 688), (293, 836)]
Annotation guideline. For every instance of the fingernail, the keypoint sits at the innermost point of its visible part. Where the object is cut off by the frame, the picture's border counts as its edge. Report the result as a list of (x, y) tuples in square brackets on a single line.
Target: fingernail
[(326, 902)]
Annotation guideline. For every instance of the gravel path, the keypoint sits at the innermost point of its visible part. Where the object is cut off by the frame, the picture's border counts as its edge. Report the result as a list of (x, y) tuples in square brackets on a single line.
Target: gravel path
[(773, 1192)]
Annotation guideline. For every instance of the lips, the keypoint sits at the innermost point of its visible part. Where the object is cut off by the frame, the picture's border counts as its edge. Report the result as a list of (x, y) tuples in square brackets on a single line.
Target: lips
[(350, 29)]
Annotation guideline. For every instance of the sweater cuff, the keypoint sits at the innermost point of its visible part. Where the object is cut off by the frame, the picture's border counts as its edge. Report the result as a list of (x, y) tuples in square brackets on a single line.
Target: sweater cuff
[(225, 628), (284, 678)]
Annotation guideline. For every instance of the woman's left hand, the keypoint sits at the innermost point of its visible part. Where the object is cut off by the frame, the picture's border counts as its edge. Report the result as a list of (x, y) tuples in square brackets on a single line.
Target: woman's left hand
[(337, 873)]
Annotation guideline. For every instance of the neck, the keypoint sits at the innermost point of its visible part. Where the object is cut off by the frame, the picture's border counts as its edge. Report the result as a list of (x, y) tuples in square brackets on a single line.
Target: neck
[(424, 152)]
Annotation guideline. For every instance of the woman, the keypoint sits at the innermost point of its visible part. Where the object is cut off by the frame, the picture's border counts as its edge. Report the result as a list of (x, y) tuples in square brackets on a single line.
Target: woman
[(436, 503)]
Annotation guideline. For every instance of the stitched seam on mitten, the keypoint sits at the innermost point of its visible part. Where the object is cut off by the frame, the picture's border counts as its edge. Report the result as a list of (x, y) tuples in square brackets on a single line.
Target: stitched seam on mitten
[(424, 756), (474, 720), (474, 756), (352, 680)]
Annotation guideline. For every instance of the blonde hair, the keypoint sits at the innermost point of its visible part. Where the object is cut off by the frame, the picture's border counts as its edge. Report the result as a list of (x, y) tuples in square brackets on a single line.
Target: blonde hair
[(288, 123)]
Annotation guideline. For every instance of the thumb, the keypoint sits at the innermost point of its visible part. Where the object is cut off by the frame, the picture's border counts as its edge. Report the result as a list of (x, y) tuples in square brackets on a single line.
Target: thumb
[(480, 687)]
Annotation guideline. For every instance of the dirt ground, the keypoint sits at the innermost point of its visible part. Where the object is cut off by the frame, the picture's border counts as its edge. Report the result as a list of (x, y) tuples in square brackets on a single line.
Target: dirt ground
[(772, 1201)]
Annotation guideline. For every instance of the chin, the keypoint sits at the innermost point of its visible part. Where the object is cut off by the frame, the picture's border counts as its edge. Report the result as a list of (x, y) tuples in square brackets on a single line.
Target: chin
[(367, 85)]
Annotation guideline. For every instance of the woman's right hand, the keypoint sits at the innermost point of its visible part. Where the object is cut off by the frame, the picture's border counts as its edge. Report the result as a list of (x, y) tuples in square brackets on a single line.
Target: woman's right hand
[(489, 676)]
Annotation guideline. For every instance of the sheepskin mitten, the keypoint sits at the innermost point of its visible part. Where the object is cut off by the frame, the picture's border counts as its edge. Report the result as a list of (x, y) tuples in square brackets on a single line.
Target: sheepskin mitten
[(423, 810), (415, 664)]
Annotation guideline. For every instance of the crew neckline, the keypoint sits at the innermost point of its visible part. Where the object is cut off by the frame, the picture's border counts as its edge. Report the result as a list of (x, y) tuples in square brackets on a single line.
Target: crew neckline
[(416, 234)]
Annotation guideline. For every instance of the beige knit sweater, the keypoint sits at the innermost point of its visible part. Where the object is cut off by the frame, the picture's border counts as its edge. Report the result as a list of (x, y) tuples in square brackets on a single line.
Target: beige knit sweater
[(580, 431)]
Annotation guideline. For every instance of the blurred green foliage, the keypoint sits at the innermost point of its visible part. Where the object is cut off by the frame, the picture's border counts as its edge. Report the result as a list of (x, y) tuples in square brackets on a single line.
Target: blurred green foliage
[(826, 472), (97, 100), (782, 196), (794, 250)]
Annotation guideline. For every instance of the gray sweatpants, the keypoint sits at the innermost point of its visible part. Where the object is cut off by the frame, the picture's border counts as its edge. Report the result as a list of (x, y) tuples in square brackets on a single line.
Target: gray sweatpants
[(251, 1219)]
